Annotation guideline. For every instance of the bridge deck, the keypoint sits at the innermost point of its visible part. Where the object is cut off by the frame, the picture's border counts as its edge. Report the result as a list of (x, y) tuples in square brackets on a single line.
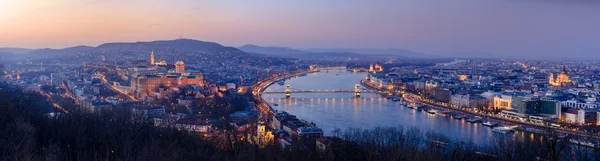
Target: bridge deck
[(322, 91)]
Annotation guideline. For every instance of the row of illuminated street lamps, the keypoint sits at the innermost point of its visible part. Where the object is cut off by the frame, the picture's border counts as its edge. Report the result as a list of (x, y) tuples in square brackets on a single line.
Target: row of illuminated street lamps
[(115, 88)]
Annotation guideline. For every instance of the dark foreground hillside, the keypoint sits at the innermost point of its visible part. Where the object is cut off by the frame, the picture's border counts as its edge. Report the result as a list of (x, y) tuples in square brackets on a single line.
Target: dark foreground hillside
[(28, 133)]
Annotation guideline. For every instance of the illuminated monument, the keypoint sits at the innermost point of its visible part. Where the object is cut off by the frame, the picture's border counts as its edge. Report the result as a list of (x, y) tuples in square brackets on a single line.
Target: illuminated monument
[(377, 68), (152, 57), (179, 67), (561, 80), (154, 62)]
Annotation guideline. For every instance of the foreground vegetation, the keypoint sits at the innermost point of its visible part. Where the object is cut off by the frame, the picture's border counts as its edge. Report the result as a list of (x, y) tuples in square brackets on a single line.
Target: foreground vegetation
[(27, 133)]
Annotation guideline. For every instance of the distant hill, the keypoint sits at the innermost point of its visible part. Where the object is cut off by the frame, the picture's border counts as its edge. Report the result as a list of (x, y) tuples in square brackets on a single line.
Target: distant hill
[(370, 51), (275, 51), (184, 45), (331, 52), (295, 53), (15, 50), (65, 50), (188, 45)]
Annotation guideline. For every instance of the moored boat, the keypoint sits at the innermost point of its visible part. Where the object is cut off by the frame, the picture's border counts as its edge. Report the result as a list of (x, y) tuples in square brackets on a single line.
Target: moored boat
[(502, 129), (490, 124), (444, 113), (459, 116), (432, 111), (413, 106), (474, 119)]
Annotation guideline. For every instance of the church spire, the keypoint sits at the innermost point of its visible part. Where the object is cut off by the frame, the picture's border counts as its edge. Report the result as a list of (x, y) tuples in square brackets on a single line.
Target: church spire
[(152, 57)]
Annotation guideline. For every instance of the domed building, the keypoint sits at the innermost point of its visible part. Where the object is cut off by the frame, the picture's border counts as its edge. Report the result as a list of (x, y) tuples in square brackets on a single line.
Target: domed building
[(378, 67), (561, 80)]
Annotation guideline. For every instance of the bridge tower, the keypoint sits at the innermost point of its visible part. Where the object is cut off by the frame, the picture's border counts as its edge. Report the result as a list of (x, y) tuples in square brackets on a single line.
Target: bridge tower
[(288, 91), (357, 90)]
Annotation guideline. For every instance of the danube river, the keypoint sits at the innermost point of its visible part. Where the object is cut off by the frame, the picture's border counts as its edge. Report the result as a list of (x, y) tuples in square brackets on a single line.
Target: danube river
[(341, 110)]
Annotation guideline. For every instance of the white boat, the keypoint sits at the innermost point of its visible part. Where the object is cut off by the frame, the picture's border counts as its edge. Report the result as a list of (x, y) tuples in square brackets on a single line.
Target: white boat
[(474, 120), (432, 111), (490, 124), (502, 129), (413, 106)]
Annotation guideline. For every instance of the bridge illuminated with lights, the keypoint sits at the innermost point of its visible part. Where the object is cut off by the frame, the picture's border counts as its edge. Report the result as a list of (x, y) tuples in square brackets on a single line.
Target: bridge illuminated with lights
[(321, 91), (288, 91)]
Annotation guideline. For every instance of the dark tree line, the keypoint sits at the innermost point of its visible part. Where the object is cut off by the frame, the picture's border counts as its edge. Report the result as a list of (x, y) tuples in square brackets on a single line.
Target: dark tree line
[(27, 133)]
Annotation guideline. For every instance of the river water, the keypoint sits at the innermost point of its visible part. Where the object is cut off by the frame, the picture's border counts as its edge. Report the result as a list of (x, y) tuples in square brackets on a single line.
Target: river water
[(341, 110)]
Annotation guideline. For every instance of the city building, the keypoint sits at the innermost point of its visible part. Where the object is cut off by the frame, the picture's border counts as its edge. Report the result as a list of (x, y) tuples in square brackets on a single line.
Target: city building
[(578, 104), (468, 100), (561, 80), (378, 67), (146, 111), (297, 127), (55, 79), (575, 116), (193, 125), (503, 101), (442, 95), (550, 107), (526, 105), (148, 82)]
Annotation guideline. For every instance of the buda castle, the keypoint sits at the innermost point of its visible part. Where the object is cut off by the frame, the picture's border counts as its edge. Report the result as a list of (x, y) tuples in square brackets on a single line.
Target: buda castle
[(150, 81)]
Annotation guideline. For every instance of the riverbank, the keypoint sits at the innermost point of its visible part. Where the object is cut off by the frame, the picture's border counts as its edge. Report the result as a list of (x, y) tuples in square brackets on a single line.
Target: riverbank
[(260, 86), (494, 117)]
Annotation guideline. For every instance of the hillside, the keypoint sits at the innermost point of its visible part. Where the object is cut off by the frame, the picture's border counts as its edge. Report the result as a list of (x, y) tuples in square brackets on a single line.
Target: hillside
[(187, 45)]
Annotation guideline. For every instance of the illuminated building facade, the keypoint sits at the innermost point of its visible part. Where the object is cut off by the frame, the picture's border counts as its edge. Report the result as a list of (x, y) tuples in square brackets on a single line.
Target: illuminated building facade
[(145, 82), (179, 67), (154, 62), (561, 80), (376, 68)]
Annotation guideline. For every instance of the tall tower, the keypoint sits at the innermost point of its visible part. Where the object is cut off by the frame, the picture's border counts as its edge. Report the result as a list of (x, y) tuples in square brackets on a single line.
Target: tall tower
[(152, 57), (241, 80), (179, 67)]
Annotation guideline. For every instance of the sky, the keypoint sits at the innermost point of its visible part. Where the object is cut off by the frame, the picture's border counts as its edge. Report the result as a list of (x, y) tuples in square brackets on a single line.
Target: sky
[(508, 28)]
